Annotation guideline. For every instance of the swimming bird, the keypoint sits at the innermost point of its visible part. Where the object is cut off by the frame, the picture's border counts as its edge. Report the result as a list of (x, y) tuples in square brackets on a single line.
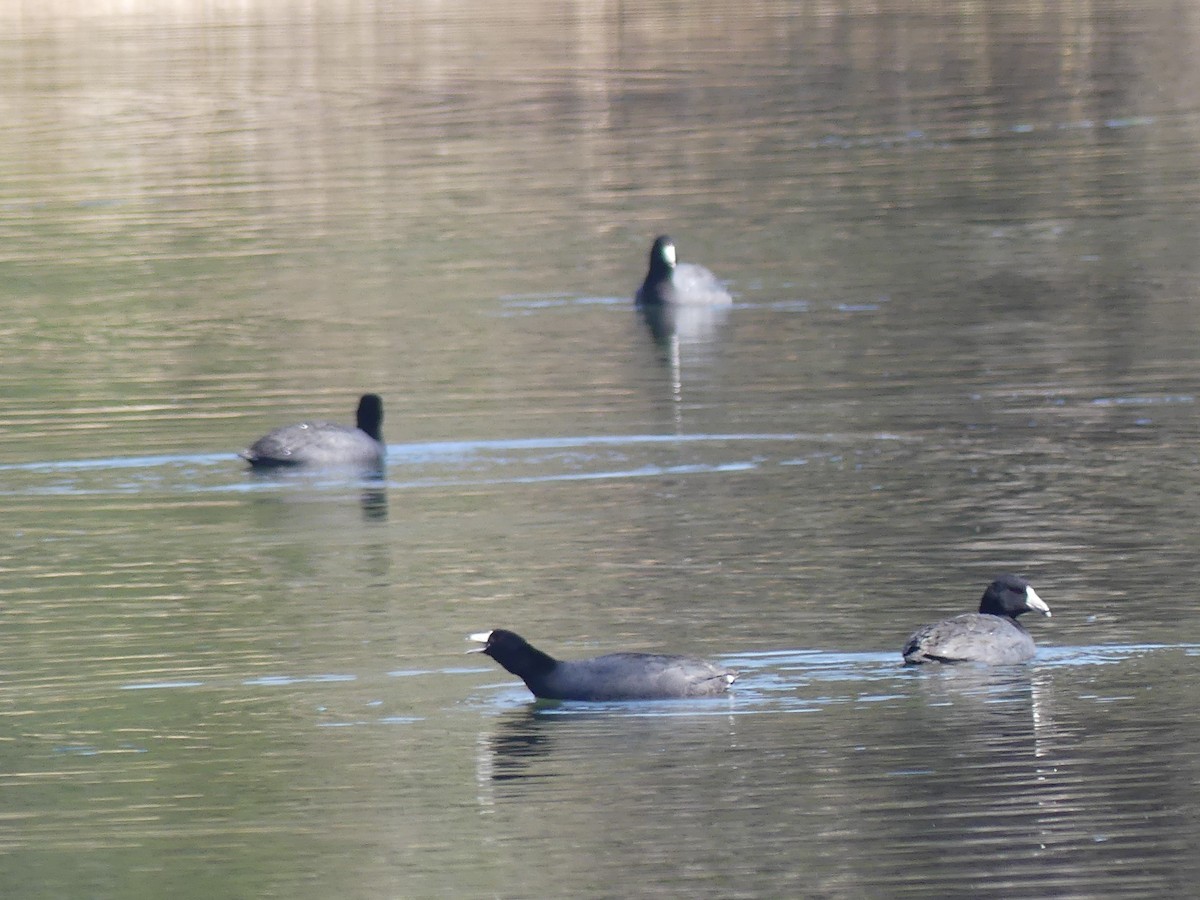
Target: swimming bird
[(615, 676), (993, 635), (324, 444), (671, 282)]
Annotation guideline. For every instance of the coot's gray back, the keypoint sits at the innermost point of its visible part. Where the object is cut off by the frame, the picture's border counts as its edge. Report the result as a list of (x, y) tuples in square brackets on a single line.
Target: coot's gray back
[(992, 636), (324, 444), (634, 676), (971, 637)]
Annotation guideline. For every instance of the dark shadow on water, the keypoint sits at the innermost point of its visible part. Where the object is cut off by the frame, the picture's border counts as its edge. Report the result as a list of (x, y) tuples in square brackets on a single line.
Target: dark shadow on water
[(686, 339), (518, 739), (371, 485), (669, 325), (540, 742)]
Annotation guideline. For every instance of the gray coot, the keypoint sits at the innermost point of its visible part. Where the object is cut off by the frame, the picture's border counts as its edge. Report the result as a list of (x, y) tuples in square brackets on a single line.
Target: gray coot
[(672, 283), (324, 443), (993, 635), (616, 676)]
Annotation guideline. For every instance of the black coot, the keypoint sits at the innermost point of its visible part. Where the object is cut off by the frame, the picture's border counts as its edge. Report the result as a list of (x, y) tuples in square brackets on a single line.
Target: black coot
[(993, 635), (616, 676), (324, 444), (671, 283)]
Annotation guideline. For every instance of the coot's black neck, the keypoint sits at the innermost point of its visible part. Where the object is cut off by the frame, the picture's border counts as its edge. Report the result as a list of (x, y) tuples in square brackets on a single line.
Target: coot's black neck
[(539, 663), (369, 417), (991, 605), (524, 660)]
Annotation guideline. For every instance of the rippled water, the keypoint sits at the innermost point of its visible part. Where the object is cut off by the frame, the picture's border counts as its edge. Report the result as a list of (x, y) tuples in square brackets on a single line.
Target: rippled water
[(961, 244)]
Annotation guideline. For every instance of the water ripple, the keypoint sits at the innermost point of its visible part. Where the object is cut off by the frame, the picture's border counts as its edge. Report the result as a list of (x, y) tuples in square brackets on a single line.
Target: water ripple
[(432, 464)]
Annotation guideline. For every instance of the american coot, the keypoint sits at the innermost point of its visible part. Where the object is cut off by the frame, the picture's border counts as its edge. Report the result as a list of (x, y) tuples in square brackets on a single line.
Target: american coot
[(616, 676), (992, 635), (668, 282), (324, 443)]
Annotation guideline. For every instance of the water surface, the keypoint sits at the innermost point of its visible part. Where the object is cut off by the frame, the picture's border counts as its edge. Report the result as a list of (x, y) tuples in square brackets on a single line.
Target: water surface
[(961, 244)]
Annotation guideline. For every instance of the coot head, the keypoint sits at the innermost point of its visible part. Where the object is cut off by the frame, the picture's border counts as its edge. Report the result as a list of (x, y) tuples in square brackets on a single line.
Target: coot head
[(513, 652), (1011, 595), (662, 255), (369, 416)]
